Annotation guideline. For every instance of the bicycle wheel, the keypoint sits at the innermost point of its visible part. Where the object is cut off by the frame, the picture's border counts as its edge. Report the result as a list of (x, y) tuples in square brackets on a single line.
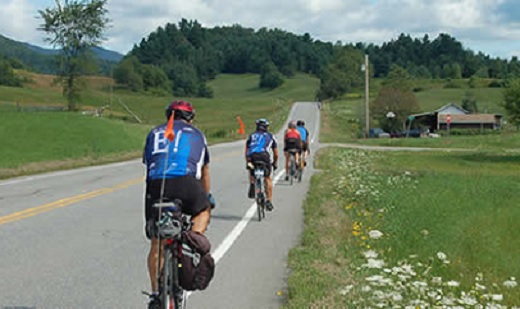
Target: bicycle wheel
[(259, 198), (291, 170), (167, 280), (169, 283)]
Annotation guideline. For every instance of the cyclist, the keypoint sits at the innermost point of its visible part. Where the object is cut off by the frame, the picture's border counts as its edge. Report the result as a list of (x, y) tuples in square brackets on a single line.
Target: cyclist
[(258, 145), (183, 166), (304, 133), (292, 141)]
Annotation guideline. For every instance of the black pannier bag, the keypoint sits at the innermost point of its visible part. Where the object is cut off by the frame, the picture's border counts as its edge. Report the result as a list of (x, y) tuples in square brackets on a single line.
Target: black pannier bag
[(197, 265)]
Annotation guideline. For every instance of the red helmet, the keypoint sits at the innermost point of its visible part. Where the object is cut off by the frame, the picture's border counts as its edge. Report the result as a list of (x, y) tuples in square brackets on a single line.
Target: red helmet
[(182, 109)]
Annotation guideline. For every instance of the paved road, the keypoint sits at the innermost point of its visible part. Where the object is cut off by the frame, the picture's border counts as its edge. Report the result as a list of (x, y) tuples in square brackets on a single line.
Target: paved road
[(74, 239)]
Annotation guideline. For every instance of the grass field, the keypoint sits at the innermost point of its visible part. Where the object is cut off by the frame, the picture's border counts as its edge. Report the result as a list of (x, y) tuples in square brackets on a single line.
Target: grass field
[(417, 229), (63, 140)]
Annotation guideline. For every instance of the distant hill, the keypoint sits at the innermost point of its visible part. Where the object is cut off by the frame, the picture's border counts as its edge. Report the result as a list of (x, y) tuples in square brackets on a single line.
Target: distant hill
[(41, 60)]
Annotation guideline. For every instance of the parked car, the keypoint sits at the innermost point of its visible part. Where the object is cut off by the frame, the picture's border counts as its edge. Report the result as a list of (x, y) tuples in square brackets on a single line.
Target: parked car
[(410, 133), (378, 133)]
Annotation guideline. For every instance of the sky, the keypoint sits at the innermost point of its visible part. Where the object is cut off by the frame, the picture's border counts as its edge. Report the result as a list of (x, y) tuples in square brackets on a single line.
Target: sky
[(488, 26)]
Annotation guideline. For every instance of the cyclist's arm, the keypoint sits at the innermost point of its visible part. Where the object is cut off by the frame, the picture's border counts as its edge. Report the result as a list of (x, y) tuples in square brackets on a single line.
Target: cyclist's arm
[(205, 178), (275, 155)]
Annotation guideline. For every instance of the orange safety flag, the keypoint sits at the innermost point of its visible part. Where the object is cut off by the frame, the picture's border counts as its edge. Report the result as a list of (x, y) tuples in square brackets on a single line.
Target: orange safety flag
[(169, 134), (241, 130)]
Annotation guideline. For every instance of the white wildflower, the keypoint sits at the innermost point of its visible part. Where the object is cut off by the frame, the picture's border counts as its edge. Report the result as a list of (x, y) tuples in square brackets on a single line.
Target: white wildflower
[(453, 283), (511, 283), (366, 288), (437, 280), (497, 297), (346, 289), (370, 254), (373, 263), (467, 299), (441, 256), (374, 278), (479, 287), (407, 173), (425, 232), (375, 234)]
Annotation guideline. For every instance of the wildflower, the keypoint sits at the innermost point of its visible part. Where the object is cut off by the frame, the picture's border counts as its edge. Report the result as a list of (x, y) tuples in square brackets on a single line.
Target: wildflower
[(453, 283), (370, 254), (425, 232), (375, 234), (441, 256), (466, 299), (346, 289), (497, 297), (437, 280), (511, 283), (479, 287), (373, 263)]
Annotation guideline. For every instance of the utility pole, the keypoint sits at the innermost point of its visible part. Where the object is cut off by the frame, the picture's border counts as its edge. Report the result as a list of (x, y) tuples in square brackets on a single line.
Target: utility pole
[(367, 110)]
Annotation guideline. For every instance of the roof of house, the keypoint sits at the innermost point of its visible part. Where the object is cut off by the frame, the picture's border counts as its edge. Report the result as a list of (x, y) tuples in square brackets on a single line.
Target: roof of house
[(451, 105)]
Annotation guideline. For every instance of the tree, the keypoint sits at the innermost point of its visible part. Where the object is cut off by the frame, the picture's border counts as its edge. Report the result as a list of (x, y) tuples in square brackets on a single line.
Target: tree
[(342, 75), (469, 102), (270, 77), (512, 101), (398, 78), (75, 26), (400, 103)]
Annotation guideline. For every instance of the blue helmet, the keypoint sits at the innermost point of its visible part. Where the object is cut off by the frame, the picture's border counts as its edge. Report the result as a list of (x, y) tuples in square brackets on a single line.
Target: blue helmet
[(262, 124)]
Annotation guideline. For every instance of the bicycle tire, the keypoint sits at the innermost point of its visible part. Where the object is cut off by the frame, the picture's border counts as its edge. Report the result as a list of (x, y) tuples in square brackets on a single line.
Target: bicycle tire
[(258, 192), (167, 297), (291, 170)]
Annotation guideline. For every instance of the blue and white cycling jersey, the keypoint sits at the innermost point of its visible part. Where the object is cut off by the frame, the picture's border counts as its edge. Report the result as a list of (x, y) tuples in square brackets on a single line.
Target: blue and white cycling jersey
[(187, 153), (303, 133), (260, 141)]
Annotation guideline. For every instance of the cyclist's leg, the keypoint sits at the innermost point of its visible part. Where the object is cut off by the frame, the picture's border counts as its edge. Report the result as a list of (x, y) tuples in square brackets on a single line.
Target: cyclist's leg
[(269, 190), (195, 201), (286, 153), (151, 232)]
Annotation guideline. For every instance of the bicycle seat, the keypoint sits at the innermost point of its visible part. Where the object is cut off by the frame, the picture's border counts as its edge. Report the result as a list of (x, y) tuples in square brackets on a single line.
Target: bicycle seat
[(259, 164), (168, 205)]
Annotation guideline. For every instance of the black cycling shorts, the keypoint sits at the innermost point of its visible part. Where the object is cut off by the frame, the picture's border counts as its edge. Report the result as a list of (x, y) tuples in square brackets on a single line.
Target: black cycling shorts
[(185, 188), (292, 143), (305, 147), (261, 157)]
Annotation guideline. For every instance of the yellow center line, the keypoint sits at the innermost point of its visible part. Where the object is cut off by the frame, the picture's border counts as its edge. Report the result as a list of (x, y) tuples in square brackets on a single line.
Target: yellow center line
[(81, 197), (66, 202)]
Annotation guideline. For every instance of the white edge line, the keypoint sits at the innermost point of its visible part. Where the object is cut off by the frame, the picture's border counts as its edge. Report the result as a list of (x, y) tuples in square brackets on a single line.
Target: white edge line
[(226, 244)]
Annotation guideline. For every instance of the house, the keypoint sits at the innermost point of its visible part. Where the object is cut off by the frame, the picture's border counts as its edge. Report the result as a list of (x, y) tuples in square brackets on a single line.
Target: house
[(456, 117)]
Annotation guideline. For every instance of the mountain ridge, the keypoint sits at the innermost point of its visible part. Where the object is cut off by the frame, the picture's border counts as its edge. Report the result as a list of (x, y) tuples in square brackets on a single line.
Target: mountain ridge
[(41, 59)]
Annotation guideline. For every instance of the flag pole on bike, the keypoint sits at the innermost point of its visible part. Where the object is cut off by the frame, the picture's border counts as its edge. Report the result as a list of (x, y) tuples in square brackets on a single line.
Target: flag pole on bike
[(169, 134)]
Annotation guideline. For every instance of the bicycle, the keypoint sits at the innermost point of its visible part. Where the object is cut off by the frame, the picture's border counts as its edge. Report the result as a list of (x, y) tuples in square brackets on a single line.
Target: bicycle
[(171, 224), (294, 167), (260, 187)]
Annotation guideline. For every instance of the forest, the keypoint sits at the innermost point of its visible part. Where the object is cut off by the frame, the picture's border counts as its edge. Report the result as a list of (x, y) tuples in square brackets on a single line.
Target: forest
[(183, 57)]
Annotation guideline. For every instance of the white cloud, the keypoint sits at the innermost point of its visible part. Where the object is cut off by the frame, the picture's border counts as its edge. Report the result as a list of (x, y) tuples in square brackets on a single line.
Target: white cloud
[(490, 26), (18, 21)]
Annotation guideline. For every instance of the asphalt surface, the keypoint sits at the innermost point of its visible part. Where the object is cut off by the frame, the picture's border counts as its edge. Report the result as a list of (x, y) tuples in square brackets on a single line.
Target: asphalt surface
[(74, 239)]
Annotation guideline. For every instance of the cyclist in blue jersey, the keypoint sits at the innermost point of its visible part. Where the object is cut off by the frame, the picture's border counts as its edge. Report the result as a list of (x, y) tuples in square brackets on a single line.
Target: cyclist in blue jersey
[(183, 165), (258, 146), (304, 133)]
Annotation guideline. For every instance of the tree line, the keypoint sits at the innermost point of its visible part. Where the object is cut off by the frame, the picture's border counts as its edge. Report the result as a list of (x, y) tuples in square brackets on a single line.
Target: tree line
[(189, 55)]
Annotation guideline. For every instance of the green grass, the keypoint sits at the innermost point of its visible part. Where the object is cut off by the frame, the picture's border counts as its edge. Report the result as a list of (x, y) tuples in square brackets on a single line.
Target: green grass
[(34, 141), (52, 137), (464, 205)]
